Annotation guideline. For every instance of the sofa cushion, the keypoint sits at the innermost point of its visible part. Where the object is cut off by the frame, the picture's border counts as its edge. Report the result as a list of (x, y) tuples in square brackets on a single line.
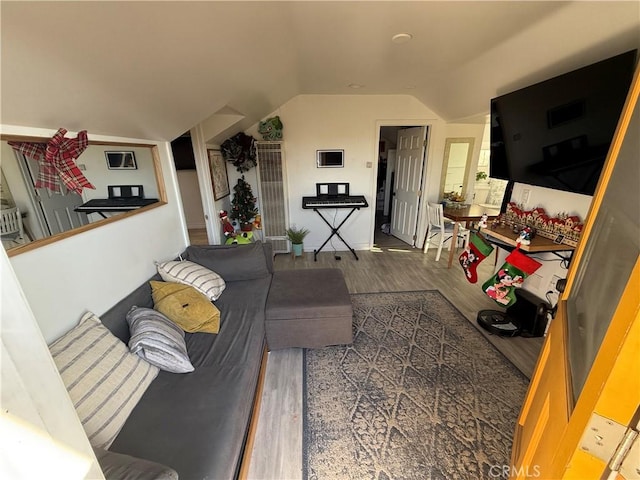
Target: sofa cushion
[(232, 262), (104, 380), (186, 306), (118, 466), (158, 340), (201, 278), (115, 319)]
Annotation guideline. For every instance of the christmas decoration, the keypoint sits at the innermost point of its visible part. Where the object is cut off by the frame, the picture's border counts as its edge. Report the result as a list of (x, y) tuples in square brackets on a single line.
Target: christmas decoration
[(483, 221), (564, 228), (241, 151), (227, 228), (477, 250), (56, 161), (525, 236), (501, 287), (243, 205)]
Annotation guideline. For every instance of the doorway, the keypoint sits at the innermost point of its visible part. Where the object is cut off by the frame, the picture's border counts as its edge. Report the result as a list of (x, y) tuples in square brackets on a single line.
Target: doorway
[(401, 156), (185, 164)]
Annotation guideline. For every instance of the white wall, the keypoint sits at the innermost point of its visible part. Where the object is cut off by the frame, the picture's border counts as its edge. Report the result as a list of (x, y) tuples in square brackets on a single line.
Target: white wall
[(352, 123), (101, 177), (40, 433), (95, 269)]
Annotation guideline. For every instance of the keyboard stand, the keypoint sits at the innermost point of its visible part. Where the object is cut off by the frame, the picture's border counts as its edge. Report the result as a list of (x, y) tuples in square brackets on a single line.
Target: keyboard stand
[(334, 231)]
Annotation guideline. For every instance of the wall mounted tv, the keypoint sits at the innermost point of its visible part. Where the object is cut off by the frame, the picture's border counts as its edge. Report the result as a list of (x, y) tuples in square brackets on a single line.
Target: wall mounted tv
[(556, 133)]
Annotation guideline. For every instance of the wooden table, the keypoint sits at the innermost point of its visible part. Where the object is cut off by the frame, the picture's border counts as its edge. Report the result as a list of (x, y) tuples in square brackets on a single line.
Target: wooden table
[(472, 213)]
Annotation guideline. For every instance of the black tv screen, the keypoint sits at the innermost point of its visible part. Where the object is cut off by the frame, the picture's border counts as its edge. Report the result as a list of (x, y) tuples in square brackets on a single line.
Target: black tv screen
[(557, 133)]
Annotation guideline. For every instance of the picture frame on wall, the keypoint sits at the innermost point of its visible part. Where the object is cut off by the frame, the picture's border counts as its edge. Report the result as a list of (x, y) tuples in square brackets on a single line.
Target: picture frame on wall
[(219, 179), (121, 160)]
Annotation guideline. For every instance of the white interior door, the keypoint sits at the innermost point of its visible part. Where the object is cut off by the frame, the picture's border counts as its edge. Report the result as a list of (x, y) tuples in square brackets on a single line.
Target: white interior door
[(408, 181), (56, 210)]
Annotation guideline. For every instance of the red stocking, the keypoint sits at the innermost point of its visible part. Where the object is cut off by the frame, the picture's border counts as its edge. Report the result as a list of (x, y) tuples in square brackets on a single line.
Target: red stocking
[(501, 287), (475, 253)]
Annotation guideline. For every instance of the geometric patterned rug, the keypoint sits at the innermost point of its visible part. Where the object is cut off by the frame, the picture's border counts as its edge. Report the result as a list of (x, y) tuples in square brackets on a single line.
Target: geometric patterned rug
[(420, 394)]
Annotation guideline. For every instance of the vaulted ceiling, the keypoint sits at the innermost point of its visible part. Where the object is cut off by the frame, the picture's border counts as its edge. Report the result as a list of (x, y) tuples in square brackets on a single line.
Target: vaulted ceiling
[(154, 69)]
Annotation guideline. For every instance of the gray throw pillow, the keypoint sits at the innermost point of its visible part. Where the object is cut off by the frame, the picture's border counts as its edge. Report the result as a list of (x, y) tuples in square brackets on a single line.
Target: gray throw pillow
[(158, 340), (118, 466)]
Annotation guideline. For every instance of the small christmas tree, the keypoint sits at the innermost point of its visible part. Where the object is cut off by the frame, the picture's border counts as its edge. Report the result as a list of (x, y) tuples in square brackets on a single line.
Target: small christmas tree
[(243, 205)]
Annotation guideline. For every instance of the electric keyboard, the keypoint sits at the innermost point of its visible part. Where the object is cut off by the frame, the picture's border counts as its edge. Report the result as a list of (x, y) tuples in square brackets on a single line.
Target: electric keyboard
[(118, 204), (341, 201), (114, 204)]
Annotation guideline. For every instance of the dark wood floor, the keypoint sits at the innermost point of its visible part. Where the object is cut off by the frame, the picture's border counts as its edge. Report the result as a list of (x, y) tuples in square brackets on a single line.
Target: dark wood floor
[(390, 265)]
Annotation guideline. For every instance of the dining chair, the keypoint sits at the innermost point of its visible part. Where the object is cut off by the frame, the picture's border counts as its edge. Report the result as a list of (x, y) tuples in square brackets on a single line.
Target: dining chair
[(11, 229), (441, 226)]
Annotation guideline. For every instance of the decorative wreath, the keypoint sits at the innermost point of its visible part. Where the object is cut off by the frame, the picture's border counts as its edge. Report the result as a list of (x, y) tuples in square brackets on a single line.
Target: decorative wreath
[(241, 151)]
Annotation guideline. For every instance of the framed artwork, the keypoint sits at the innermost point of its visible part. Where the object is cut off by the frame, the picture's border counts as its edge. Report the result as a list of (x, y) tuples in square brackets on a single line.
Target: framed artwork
[(219, 179), (121, 160)]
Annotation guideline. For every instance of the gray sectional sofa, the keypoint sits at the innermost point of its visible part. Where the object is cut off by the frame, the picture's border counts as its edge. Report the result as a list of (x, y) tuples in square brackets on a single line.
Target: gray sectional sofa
[(197, 423)]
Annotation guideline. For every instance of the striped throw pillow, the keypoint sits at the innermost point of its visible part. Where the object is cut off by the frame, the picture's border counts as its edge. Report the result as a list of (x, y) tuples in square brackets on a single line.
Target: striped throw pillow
[(104, 380), (158, 340), (188, 273)]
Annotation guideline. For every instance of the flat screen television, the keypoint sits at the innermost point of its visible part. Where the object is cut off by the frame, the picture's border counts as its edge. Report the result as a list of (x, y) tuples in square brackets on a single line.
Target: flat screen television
[(557, 133), (330, 158)]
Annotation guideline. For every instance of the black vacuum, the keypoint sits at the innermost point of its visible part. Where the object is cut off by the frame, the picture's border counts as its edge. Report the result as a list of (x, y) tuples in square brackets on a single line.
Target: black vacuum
[(527, 317)]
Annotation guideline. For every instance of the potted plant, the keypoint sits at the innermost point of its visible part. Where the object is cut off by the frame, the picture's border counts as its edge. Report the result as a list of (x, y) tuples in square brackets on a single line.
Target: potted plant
[(480, 176), (243, 205), (296, 237)]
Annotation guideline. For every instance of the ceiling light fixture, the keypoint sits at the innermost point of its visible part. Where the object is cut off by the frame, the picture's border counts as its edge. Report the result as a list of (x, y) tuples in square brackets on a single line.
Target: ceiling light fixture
[(355, 85), (401, 38)]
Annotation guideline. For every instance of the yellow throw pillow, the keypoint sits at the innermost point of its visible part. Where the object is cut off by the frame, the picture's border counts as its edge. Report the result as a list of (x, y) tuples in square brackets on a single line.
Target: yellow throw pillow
[(186, 306)]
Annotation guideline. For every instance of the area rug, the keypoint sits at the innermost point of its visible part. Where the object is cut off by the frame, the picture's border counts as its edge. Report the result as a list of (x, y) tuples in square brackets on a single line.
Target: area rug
[(420, 394)]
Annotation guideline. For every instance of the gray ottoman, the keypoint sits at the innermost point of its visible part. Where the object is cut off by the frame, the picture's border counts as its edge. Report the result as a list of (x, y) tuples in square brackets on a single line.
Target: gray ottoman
[(308, 308)]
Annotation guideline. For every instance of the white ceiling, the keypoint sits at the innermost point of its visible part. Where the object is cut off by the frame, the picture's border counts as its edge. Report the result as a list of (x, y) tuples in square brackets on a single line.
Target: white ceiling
[(154, 69)]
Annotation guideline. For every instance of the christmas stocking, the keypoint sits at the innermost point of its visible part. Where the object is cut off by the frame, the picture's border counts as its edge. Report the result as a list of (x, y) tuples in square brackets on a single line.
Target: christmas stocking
[(501, 287), (476, 252)]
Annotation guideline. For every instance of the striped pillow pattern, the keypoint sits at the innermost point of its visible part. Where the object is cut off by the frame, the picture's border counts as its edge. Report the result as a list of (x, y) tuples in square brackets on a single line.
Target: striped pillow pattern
[(158, 340), (188, 273), (104, 380)]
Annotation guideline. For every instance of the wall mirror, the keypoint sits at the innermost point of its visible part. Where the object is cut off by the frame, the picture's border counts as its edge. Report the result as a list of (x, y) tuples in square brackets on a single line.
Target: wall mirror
[(31, 218), (455, 167)]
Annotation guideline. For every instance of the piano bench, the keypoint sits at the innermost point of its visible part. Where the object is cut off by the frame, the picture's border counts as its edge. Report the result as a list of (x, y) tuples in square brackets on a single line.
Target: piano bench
[(308, 308)]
